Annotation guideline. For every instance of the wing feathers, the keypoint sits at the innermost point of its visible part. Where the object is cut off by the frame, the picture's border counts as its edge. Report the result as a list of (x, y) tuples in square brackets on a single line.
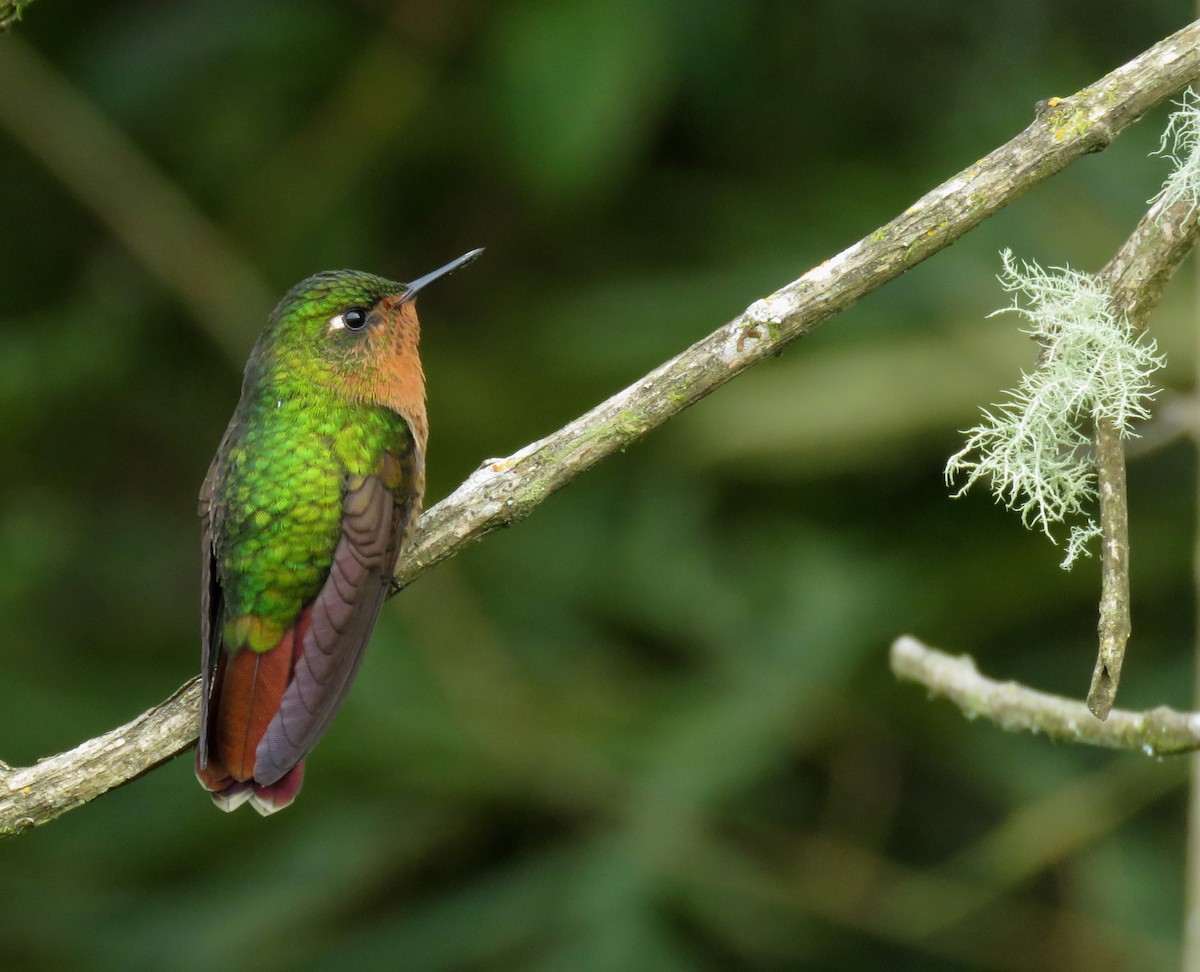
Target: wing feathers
[(343, 616), (211, 608)]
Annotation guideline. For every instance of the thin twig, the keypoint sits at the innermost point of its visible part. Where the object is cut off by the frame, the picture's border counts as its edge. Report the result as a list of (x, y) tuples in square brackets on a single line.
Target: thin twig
[(1136, 276), (503, 491), (1114, 624), (1018, 708)]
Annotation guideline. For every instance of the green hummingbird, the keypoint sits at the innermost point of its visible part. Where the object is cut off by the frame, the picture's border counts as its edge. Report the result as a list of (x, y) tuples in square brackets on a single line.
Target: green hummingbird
[(315, 488)]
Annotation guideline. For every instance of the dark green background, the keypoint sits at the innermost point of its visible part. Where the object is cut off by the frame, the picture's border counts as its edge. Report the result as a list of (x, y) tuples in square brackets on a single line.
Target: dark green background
[(651, 728)]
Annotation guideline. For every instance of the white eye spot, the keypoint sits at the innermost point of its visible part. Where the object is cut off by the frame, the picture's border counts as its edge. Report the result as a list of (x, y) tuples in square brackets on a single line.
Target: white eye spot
[(354, 319)]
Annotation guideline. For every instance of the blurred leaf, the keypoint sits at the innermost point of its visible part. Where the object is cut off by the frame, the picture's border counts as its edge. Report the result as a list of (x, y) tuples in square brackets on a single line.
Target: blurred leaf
[(580, 85)]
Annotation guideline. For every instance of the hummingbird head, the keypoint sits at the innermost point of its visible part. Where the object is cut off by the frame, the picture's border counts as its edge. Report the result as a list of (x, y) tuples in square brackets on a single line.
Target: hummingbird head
[(351, 333)]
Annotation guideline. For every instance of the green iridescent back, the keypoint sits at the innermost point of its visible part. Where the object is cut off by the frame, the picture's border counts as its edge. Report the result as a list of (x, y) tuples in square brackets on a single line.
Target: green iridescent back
[(278, 517)]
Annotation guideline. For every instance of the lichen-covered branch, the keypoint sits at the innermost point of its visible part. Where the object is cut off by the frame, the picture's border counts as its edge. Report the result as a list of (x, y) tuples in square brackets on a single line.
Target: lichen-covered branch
[(505, 490), (1135, 276), (1018, 708)]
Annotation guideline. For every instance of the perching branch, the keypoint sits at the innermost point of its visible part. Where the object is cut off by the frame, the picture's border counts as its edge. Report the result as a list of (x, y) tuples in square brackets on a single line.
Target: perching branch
[(1018, 708), (1136, 277), (33, 795), (504, 491)]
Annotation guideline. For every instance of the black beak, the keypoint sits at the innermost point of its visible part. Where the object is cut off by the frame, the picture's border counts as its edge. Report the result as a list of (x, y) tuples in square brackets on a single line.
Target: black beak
[(422, 282)]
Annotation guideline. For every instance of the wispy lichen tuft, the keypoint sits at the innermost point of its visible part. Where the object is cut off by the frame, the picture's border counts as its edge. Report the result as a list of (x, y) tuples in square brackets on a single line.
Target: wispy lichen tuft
[(1035, 449), (1181, 144)]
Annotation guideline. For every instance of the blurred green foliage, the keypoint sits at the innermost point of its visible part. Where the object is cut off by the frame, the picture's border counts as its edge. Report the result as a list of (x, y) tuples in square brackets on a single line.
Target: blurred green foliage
[(652, 728)]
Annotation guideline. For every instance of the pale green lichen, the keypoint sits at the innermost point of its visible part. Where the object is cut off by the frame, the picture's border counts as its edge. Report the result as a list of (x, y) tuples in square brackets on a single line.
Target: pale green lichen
[(1181, 144), (1035, 448)]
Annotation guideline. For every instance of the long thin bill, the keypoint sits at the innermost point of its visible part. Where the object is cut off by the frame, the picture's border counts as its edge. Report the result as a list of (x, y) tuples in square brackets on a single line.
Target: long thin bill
[(422, 282)]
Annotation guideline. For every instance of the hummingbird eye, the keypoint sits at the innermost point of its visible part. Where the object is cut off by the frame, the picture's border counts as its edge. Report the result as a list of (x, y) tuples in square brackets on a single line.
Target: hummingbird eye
[(354, 319)]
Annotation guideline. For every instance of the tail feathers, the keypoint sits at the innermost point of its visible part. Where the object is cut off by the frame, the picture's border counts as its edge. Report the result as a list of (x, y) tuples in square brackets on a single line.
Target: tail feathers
[(233, 796), (247, 688), (252, 684), (270, 797), (267, 798)]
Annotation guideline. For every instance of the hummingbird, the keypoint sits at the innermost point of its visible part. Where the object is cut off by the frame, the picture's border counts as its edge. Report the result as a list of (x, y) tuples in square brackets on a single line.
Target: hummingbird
[(314, 491)]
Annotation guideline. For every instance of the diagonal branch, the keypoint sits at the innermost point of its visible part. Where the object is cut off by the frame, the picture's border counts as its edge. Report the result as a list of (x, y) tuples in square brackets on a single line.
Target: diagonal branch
[(504, 491)]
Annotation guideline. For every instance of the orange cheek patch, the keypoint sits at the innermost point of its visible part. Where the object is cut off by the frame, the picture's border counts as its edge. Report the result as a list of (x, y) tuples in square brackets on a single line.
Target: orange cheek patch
[(391, 372)]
